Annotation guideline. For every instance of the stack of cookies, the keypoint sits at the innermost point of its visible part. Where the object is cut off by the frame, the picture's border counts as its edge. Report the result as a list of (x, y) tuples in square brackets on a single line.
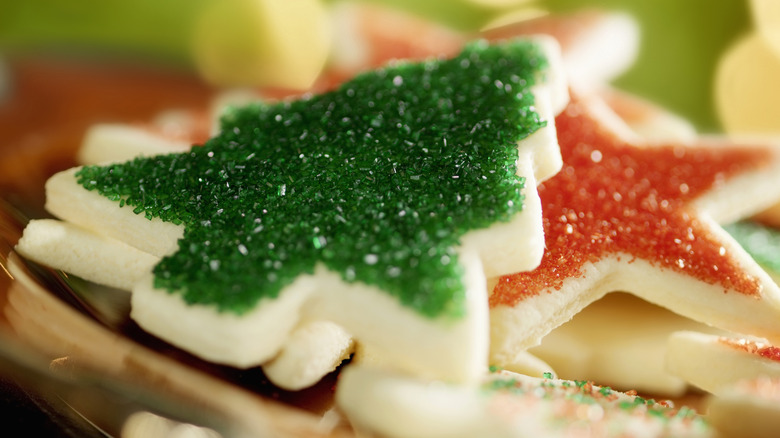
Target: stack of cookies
[(483, 238)]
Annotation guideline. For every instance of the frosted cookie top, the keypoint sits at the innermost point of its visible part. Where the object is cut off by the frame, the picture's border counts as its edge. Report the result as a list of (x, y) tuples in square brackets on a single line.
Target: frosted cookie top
[(377, 180), (573, 407), (642, 217), (751, 346), (613, 197)]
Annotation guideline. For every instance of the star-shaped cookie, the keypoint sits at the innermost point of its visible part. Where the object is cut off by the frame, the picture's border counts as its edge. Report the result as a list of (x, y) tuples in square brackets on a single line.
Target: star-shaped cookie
[(642, 218)]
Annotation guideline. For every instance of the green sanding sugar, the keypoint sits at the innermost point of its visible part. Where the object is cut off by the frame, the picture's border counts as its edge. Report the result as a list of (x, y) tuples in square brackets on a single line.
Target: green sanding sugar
[(760, 241), (376, 180), (560, 393)]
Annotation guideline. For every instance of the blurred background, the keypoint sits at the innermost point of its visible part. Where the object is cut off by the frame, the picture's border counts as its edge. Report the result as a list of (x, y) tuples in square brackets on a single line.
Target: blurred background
[(65, 65)]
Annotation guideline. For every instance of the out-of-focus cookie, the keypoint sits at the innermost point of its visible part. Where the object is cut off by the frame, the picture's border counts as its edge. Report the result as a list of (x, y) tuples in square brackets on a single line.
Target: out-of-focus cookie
[(648, 120), (642, 218), (770, 216), (620, 341), (713, 362), (749, 408), (507, 405), (105, 143), (170, 131), (597, 45)]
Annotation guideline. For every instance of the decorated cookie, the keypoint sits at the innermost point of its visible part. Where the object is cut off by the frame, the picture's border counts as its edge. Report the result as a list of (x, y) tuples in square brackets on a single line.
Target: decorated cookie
[(643, 219), (597, 46), (749, 408), (505, 405), (713, 362), (745, 86), (589, 346), (368, 34), (380, 206)]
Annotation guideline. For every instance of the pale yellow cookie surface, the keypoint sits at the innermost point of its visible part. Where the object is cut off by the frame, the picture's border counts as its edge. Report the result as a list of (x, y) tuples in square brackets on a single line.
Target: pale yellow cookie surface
[(749, 408), (713, 362)]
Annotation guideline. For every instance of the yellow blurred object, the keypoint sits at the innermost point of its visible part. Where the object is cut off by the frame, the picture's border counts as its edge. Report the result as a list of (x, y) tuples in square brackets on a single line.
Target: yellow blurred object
[(766, 16), (515, 16), (746, 88), (747, 94), (270, 42), (501, 3)]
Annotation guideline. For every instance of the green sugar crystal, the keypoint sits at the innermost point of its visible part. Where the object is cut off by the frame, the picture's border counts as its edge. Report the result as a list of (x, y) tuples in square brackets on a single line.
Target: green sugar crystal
[(377, 180)]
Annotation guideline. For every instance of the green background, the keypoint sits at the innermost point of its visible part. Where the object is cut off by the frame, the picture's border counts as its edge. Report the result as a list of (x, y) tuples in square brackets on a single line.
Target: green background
[(680, 45), (681, 41)]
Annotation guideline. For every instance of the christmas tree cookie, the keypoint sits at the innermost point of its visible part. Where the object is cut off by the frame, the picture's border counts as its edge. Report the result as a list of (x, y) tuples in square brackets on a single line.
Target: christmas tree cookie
[(381, 206)]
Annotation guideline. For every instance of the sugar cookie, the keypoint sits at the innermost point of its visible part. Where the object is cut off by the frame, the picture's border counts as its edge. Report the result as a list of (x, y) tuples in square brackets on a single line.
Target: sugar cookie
[(620, 341), (746, 409), (597, 46), (50, 242), (642, 219), (713, 362), (312, 350), (648, 120), (171, 131), (505, 405), (745, 91), (334, 282)]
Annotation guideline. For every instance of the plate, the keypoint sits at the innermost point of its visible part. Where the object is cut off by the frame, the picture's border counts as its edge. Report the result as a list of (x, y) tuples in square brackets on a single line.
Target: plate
[(74, 363)]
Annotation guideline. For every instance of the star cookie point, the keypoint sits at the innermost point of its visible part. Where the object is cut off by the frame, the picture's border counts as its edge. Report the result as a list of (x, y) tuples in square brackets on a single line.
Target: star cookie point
[(641, 218)]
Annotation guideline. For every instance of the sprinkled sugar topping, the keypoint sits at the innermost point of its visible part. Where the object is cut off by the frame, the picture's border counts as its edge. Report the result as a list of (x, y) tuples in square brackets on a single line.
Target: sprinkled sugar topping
[(377, 180), (762, 349), (613, 197), (580, 408)]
